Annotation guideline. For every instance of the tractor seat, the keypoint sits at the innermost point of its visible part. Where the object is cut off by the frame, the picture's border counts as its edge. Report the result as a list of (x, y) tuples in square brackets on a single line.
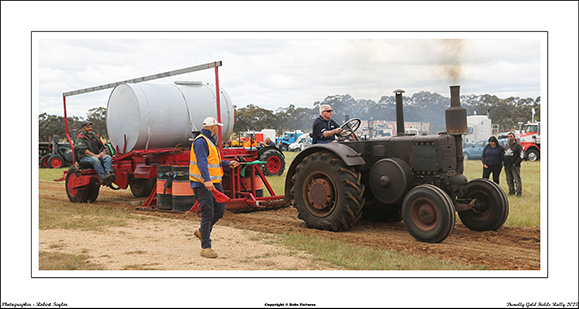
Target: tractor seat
[(84, 165)]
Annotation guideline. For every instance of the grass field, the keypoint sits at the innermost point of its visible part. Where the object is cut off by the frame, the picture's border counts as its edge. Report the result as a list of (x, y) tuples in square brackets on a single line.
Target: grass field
[(524, 212)]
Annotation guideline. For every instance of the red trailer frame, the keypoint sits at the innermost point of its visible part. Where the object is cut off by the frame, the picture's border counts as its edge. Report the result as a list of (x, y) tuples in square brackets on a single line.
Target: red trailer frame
[(139, 167)]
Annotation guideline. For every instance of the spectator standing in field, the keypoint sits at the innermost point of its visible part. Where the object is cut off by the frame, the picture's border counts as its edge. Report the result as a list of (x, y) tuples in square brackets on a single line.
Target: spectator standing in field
[(205, 174), (492, 158), (90, 149), (513, 158)]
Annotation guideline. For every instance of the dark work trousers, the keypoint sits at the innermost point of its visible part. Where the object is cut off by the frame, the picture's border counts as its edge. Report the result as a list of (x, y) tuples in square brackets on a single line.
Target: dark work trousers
[(211, 211), (495, 169), (514, 182)]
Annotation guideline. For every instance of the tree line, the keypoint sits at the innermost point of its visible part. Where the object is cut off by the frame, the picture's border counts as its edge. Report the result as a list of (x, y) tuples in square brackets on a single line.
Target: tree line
[(420, 107)]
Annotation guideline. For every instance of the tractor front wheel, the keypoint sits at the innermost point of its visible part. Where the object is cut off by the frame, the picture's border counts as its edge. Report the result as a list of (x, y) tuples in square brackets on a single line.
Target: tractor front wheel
[(428, 213), (327, 194), (491, 206)]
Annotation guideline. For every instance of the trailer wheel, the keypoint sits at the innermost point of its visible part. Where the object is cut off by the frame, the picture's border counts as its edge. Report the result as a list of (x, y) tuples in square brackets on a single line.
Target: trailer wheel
[(142, 187), (491, 207), (428, 213), (75, 194), (327, 194), (55, 161), (93, 190), (275, 162)]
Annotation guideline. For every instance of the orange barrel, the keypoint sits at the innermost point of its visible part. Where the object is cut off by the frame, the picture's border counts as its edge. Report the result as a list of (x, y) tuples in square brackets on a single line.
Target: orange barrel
[(164, 186), (183, 197), (246, 185)]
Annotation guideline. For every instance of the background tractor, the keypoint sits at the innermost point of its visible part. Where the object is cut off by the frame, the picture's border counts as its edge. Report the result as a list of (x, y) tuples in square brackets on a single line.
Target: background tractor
[(417, 179)]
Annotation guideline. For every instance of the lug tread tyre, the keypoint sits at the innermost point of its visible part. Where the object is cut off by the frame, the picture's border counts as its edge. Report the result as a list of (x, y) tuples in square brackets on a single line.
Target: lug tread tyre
[(343, 197)]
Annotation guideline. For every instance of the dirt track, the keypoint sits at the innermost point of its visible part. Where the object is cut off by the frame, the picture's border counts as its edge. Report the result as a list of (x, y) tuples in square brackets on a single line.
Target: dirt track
[(509, 248)]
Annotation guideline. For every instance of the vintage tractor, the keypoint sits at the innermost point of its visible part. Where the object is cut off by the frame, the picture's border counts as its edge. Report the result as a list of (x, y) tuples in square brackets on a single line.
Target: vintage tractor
[(414, 178), (54, 155)]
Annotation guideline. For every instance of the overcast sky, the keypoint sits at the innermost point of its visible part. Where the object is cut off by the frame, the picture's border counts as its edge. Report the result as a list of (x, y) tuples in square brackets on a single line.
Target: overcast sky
[(275, 69)]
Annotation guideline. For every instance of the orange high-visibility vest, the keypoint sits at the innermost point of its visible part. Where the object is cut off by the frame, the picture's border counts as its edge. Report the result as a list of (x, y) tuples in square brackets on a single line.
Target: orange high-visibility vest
[(213, 163)]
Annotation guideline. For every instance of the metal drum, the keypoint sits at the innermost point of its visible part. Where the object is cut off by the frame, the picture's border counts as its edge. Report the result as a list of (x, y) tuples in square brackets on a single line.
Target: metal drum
[(146, 116), (164, 186), (182, 193)]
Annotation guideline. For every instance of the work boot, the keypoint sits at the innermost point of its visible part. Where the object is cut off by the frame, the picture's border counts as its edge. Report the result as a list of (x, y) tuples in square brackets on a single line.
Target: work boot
[(511, 192), (208, 253), (109, 178), (519, 194), (197, 234)]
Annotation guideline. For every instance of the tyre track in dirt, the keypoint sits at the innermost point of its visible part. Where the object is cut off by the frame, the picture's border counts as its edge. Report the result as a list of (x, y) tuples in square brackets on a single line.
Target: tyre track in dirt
[(509, 248)]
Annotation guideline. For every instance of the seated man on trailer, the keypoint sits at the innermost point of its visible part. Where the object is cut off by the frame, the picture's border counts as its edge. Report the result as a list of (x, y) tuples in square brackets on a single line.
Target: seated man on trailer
[(90, 149)]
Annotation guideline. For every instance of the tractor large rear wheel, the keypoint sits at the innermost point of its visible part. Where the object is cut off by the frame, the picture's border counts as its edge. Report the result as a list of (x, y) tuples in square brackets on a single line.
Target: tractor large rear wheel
[(491, 206), (75, 193), (327, 194), (44, 161), (275, 162), (428, 213)]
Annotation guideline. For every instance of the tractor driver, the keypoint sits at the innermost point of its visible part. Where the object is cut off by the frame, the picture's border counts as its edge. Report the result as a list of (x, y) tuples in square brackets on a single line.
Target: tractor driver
[(205, 175), (267, 142), (325, 129), (90, 149)]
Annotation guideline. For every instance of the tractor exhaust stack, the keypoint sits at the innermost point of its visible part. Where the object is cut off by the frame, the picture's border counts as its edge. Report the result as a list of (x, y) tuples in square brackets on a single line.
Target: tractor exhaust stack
[(456, 124), (399, 113)]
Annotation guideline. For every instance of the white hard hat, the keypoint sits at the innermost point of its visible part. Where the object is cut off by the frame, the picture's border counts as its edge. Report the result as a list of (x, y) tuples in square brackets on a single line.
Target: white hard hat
[(211, 121)]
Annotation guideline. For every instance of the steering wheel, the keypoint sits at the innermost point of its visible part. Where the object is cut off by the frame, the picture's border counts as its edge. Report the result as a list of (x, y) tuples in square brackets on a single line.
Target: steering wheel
[(350, 126)]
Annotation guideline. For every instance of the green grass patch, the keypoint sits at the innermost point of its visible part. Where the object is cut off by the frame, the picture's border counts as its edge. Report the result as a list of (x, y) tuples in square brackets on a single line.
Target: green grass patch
[(63, 261), (50, 174), (358, 257), (277, 183)]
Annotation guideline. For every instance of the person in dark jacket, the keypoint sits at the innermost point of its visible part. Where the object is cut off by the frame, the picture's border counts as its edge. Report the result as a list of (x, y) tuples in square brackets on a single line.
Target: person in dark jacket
[(513, 158), (325, 129), (492, 158), (90, 149)]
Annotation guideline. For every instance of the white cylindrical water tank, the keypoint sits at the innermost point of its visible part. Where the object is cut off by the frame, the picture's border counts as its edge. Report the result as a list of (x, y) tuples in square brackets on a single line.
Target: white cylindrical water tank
[(163, 115)]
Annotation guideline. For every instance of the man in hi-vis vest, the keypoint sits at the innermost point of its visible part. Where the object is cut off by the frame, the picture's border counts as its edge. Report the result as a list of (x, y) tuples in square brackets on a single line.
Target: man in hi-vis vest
[(205, 174)]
